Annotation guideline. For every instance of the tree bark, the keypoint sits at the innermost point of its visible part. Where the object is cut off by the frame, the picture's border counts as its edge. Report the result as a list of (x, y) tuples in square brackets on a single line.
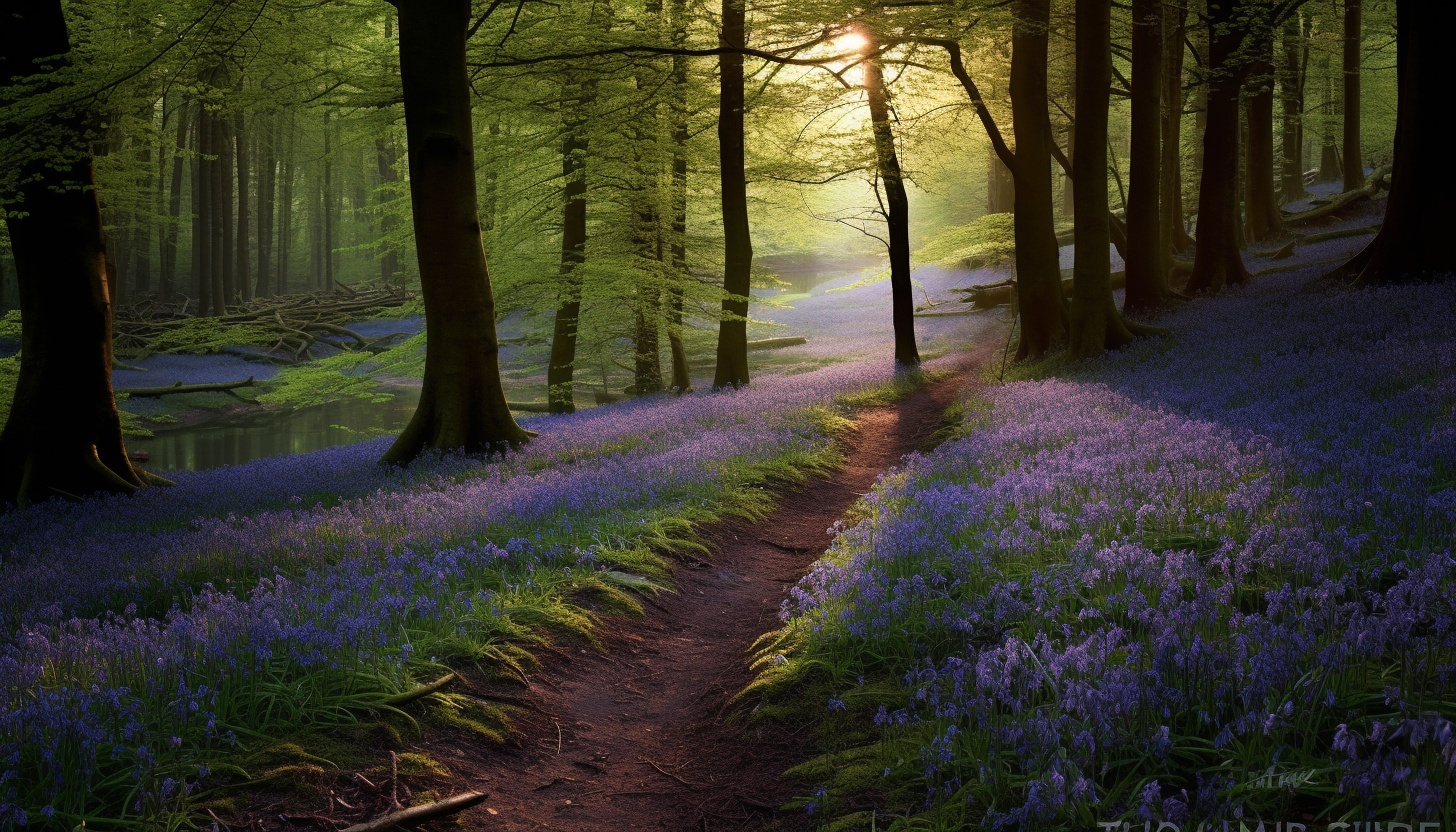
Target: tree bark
[(388, 157), (329, 204), (240, 269), (462, 403), (1039, 298), (1420, 214), (63, 435), (1330, 167), (224, 286), (167, 283), (1217, 262), (897, 208), (202, 207), (1147, 257), (732, 359), (1354, 160), (682, 380), (1173, 236), (1261, 202), (1295, 50), (1094, 322), (1000, 187), (267, 202), (562, 364), (285, 211)]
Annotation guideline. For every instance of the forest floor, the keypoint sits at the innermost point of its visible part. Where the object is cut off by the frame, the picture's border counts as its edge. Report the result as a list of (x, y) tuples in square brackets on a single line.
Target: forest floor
[(644, 733)]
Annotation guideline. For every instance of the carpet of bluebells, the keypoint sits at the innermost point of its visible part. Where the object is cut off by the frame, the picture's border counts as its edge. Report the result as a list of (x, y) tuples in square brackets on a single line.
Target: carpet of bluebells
[(142, 637), (1208, 577)]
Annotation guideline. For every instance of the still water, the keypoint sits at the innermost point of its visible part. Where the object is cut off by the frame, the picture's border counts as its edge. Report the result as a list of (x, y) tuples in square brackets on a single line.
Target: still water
[(239, 440)]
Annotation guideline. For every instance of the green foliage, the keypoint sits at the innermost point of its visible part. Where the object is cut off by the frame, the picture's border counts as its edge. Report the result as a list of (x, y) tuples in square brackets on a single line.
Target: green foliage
[(200, 336), (987, 241), (347, 375)]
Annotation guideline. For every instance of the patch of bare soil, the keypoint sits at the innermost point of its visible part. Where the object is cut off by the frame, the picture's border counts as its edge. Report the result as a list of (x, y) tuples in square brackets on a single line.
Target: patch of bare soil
[(635, 737)]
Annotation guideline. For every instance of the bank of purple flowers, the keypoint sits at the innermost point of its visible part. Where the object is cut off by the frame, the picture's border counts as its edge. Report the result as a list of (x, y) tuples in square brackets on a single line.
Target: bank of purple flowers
[(1207, 578), (146, 639)]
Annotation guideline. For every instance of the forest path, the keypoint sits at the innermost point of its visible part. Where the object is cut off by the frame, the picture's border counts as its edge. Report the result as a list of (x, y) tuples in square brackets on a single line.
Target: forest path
[(634, 737)]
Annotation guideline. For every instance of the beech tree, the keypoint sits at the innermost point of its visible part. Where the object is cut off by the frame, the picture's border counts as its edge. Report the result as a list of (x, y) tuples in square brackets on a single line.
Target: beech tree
[(63, 436), (462, 403), (732, 364)]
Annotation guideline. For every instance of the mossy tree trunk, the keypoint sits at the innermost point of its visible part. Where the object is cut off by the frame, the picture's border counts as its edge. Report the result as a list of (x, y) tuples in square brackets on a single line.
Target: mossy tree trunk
[(462, 403), (63, 436)]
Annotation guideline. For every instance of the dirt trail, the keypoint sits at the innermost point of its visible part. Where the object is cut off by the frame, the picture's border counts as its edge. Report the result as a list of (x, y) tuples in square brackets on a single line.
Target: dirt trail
[(633, 737)]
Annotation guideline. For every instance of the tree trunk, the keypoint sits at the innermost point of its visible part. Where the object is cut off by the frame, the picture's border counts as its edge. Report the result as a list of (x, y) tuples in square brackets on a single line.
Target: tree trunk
[(151, 183), (267, 193), (1261, 203), (897, 209), (1094, 324), (732, 363), (202, 206), (1173, 236), (285, 212), (1147, 258), (1000, 186), (682, 380), (1412, 245), (1354, 160), (330, 203), (244, 283), (167, 285), (462, 403), (224, 286), (1217, 261), (1330, 168), (562, 364), (1039, 298), (388, 258), (1295, 48), (63, 435)]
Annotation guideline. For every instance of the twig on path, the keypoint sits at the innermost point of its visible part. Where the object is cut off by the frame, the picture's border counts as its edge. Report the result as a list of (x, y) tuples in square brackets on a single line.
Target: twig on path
[(667, 773), (419, 814), (558, 736), (394, 779)]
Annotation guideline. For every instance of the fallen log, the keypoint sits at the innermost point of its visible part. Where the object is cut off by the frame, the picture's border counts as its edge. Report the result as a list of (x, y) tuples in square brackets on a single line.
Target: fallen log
[(419, 814), (1373, 184), (954, 314), (529, 407), (1310, 239), (1286, 250), (228, 387), (777, 343)]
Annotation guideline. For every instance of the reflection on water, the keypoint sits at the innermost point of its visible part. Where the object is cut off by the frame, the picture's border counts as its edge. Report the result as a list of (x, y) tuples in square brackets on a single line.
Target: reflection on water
[(264, 435)]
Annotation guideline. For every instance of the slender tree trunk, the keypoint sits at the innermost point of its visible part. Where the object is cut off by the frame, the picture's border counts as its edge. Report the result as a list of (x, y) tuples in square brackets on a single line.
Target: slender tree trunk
[(63, 434), (1040, 301), (267, 192), (285, 211), (647, 230), (152, 182), (1330, 168), (167, 247), (897, 210), (1217, 261), (1173, 236), (389, 177), (732, 365), (329, 203), (562, 364), (1000, 187), (1094, 323), (244, 238), (202, 243), (1261, 203), (682, 381), (1354, 160), (1412, 243), (315, 229), (222, 217), (1295, 52), (462, 403), (1147, 257)]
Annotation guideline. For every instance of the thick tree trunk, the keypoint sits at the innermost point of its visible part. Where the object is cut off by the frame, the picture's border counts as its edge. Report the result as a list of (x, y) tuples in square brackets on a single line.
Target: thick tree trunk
[(1039, 298), (1217, 261), (462, 403), (1147, 256), (267, 199), (1295, 50), (1412, 245), (732, 363), (562, 364), (240, 269), (1173, 236), (1261, 203), (1094, 323), (63, 435), (897, 211), (1354, 164)]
